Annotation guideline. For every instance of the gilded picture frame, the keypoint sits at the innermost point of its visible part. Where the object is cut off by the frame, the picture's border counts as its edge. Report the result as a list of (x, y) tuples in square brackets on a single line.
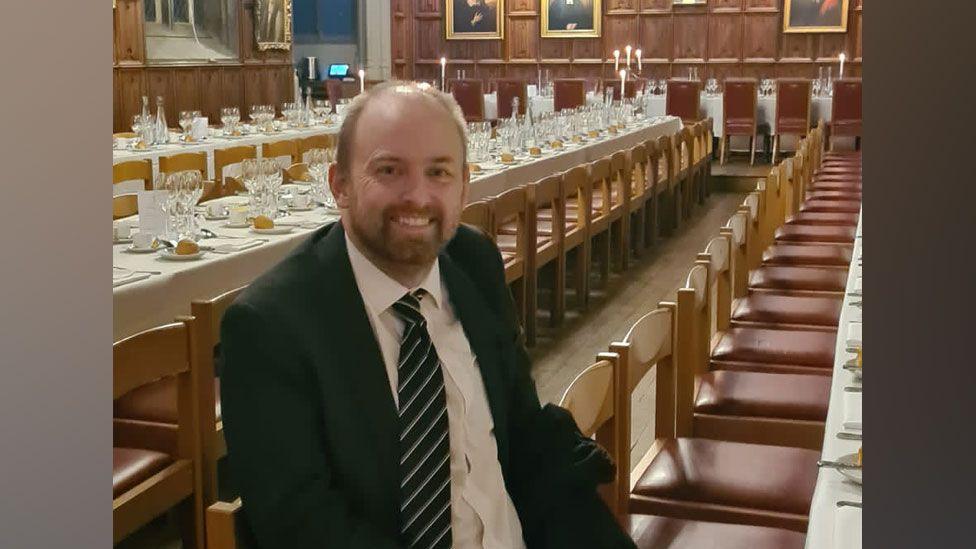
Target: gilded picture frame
[(473, 20), (272, 24), (801, 16), (559, 15)]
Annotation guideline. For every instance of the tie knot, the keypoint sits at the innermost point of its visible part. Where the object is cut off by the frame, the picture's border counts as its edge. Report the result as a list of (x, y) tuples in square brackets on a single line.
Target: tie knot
[(408, 307)]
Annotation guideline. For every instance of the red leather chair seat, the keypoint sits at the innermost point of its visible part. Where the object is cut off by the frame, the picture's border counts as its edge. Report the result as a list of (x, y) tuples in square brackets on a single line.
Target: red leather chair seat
[(784, 350), (785, 277), (823, 218), (650, 532), (740, 126), (784, 396), (838, 178), (842, 154), (509, 242), (808, 254), (705, 479), (842, 169), (848, 206), (826, 185), (773, 309), (791, 125), (848, 194), (155, 402), (842, 234), (130, 466)]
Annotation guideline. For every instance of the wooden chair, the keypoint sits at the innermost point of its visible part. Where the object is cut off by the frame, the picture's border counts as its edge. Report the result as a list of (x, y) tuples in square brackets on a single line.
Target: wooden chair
[(740, 105), (134, 170), (792, 109), (607, 209), (684, 100), (575, 189), (641, 192), (224, 158), (479, 215), (669, 200), (278, 149), (469, 94), (508, 89), (333, 91), (511, 208), (190, 161), (320, 141), (147, 481), (568, 93), (206, 337), (686, 477), (297, 173), (124, 135), (233, 186), (687, 171), (125, 205), (846, 117)]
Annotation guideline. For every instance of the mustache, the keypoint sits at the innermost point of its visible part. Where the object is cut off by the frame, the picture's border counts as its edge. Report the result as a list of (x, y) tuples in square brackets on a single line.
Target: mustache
[(409, 211)]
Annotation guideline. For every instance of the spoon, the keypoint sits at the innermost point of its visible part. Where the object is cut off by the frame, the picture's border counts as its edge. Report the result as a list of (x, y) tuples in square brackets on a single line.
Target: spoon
[(837, 464), (856, 504)]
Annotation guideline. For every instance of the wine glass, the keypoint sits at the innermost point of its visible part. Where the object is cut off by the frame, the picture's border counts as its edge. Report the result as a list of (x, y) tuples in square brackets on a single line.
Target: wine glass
[(186, 120)]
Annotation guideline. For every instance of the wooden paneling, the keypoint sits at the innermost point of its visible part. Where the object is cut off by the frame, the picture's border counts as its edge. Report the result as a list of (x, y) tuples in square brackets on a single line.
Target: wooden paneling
[(656, 37), (761, 33), (524, 41), (725, 36), (206, 86), (690, 35)]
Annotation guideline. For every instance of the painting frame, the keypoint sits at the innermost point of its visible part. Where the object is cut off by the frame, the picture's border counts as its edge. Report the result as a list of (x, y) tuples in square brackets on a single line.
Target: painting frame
[(595, 32), (262, 33), (791, 28), (451, 34)]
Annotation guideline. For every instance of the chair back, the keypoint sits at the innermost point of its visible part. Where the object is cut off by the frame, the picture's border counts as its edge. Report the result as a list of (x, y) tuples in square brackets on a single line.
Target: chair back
[(134, 170), (718, 255), (547, 193), (577, 190), (508, 207), (735, 231), (692, 319), (793, 106), (665, 160), (333, 90), (279, 149), (614, 84), (750, 208), (683, 99), (469, 94), (568, 93), (622, 179), (478, 214), (297, 172), (740, 105), (640, 183), (601, 184), (227, 163), (846, 111), (125, 205), (185, 161), (320, 141), (508, 89)]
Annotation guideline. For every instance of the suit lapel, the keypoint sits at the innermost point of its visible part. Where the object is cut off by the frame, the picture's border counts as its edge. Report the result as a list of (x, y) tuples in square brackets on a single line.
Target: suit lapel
[(485, 340)]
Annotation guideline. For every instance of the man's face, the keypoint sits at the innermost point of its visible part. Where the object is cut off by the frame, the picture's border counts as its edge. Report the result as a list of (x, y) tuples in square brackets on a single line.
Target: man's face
[(407, 186)]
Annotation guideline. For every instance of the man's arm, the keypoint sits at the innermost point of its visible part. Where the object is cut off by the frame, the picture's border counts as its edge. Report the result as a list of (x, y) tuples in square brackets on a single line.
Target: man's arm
[(275, 443)]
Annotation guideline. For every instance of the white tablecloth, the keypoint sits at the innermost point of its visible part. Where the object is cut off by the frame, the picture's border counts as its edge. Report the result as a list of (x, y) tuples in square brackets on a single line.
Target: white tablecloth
[(831, 485), (208, 146), (540, 104), (160, 298)]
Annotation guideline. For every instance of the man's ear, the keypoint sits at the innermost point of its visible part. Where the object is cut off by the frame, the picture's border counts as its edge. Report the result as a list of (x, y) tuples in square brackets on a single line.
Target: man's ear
[(339, 184)]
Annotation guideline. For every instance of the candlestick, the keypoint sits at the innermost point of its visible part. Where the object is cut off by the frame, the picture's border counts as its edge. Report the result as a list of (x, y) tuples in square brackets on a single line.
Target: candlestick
[(362, 80), (616, 60), (627, 49), (311, 68), (842, 57), (443, 71), (638, 53), (623, 84)]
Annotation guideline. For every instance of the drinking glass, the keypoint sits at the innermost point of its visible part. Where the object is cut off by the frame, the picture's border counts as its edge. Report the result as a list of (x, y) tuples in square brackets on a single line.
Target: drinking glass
[(186, 120)]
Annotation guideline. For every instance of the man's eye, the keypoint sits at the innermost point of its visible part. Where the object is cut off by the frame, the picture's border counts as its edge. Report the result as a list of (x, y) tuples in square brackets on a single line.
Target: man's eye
[(439, 172), (386, 170)]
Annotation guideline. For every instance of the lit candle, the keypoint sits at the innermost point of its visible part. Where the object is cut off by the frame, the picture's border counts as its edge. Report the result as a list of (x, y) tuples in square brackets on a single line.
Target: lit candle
[(616, 60), (842, 57), (311, 68), (623, 84), (638, 53), (443, 72), (362, 80), (627, 49)]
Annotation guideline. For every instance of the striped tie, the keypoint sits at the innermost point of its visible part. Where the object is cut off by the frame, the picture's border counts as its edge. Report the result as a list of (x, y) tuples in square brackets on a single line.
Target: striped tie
[(425, 448)]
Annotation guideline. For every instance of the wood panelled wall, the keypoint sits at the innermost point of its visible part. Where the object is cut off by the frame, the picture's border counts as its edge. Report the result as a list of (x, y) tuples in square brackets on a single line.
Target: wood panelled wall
[(724, 38), (256, 77)]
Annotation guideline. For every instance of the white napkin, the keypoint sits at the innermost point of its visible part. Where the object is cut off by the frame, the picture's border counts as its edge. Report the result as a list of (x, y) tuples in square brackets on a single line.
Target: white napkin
[(854, 334), (530, 90), (857, 285), (852, 411), (131, 277), (847, 528), (227, 245)]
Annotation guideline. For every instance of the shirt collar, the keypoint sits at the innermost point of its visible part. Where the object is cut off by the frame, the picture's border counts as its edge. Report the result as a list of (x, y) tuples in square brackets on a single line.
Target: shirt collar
[(383, 291)]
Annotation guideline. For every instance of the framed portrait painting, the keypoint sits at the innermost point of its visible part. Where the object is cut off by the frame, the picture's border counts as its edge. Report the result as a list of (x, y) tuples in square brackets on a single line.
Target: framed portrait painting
[(474, 19), (815, 16), (571, 18)]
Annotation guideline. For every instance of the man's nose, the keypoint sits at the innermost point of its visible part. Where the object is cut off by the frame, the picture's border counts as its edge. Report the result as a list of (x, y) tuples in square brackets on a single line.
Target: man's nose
[(416, 189)]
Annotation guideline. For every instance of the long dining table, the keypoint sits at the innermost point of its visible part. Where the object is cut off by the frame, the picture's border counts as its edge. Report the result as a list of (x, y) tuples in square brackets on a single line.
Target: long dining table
[(832, 526), (149, 290)]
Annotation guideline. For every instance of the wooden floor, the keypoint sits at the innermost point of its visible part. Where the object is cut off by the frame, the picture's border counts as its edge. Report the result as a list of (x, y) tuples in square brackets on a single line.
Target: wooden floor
[(561, 354)]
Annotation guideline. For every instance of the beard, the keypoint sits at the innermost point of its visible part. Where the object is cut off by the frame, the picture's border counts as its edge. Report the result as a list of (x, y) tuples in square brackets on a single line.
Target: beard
[(386, 242)]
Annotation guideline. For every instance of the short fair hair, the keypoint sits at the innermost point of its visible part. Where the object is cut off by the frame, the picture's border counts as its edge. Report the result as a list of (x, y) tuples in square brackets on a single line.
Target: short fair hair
[(347, 132)]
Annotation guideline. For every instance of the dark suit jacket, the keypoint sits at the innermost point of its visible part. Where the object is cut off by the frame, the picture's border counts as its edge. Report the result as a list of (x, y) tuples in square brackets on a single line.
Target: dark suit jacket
[(311, 425)]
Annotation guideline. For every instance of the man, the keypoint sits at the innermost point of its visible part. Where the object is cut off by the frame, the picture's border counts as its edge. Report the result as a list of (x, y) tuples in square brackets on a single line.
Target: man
[(475, 16), (375, 390), (816, 13), (570, 15)]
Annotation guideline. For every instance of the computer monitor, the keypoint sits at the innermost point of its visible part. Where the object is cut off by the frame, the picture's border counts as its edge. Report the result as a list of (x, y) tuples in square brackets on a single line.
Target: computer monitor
[(338, 70)]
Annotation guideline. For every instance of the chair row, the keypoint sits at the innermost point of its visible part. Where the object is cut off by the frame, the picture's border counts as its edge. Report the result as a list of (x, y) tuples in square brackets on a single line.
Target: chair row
[(742, 367), (606, 210), (223, 184)]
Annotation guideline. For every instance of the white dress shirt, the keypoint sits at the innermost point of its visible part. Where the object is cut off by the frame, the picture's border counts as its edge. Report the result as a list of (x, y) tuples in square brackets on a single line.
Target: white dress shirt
[(482, 513)]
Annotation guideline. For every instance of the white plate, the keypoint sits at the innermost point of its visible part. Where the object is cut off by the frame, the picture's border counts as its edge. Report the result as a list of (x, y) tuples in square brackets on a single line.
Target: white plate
[(122, 240), (305, 209), (168, 253), (134, 250), (218, 218), (853, 474), (280, 229), (243, 225)]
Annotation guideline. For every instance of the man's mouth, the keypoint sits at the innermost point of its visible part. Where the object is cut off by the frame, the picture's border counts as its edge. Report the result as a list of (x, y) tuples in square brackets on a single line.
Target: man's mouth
[(412, 220)]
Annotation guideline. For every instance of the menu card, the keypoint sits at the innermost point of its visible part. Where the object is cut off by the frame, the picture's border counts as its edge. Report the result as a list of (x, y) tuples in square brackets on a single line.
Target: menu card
[(152, 217)]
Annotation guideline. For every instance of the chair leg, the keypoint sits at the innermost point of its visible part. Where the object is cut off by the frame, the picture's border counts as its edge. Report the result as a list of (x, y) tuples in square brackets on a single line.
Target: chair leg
[(651, 221), (583, 275), (752, 150), (775, 147), (721, 149), (638, 233), (189, 514), (559, 291), (623, 254), (605, 256), (531, 305)]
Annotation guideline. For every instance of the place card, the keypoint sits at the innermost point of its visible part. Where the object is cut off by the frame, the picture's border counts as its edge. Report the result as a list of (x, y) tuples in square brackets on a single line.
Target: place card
[(200, 128), (152, 217)]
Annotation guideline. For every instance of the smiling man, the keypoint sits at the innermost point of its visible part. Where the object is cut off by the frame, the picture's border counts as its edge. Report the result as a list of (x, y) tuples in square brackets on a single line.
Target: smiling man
[(375, 388)]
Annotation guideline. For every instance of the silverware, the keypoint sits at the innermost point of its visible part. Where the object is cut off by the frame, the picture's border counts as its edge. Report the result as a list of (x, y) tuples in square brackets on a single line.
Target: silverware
[(857, 304), (852, 389), (856, 504), (843, 435), (853, 349), (837, 464), (165, 242)]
